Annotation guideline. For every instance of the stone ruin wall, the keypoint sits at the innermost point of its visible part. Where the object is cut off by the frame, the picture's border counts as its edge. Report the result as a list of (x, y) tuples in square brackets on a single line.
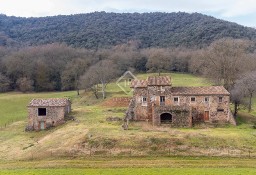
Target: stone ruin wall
[(54, 116), (196, 109), (181, 116), (200, 106)]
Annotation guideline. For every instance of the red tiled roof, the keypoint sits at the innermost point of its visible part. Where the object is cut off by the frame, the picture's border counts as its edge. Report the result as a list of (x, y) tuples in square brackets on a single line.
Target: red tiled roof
[(159, 81), (48, 102), (152, 81), (207, 90), (139, 83)]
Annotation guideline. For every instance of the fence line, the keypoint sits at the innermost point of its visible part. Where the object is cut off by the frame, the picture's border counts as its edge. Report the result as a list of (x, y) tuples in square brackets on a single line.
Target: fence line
[(135, 153)]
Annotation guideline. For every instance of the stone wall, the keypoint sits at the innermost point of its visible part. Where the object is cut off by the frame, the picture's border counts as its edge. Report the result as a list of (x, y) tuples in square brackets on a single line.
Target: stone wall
[(140, 110), (54, 116), (181, 116), (219, 111)]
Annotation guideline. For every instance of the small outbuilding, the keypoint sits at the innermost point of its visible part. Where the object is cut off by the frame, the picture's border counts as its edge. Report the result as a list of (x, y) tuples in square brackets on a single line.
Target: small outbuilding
[(46, 113)]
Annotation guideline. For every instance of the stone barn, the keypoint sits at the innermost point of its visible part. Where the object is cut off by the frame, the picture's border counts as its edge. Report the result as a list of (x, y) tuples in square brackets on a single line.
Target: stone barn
[(155, 100), (46, 113)]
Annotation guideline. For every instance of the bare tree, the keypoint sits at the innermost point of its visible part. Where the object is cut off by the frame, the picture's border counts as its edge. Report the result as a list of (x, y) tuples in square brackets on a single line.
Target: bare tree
[(247, 84), (236, 97), (89, 81), (224, 60), (25, 84), (125, 55), (70, 78), (101, 73), (4, 83), (158, 60)]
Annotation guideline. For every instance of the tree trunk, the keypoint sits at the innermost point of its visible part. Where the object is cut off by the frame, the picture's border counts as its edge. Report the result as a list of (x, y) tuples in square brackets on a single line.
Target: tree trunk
[(95, 91), (96, 94), (235, 109), (77, 91), (250, 103), (103, 91)]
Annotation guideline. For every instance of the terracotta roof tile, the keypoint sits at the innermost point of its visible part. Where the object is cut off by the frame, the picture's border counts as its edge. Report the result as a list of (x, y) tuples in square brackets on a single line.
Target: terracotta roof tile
[(159, 81), (48, 102), (207, 90), (139, 83)]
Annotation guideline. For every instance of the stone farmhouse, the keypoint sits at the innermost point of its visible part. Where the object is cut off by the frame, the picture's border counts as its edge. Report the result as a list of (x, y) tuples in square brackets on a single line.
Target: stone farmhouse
[(46, 113), (155, 100)]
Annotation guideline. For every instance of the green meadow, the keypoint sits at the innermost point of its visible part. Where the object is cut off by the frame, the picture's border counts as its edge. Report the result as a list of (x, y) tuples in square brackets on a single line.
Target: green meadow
[(92, 145)]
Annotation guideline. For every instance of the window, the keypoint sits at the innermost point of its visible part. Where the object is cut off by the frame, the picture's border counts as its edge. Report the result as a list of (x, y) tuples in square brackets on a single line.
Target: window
[(206, 99), (220, 110), (162, 100), (193, 99), (220, 99), (144, 101), (41, 111), (176, 100)]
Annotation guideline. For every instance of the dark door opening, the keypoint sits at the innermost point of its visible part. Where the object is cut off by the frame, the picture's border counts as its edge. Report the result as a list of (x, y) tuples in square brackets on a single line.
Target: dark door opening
[(206, 116), (166, 118)]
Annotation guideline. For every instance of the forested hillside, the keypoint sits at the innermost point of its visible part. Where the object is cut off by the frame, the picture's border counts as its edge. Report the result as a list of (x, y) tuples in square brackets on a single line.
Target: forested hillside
[(100, 30)]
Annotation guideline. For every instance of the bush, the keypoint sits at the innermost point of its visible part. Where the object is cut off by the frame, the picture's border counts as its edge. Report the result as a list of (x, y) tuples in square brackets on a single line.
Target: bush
[(254, 125)]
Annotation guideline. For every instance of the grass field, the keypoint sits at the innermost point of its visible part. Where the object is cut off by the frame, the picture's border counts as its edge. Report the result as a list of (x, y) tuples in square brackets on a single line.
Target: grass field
[(133, 165), (90, 135), (134, 171)]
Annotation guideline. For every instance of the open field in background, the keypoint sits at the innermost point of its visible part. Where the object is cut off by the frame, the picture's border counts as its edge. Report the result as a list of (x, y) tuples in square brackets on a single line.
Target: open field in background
[(90, 135)]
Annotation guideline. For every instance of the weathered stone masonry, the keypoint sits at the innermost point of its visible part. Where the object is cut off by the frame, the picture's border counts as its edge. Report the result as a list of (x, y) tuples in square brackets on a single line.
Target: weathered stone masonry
[(157, 101), (46, 113)]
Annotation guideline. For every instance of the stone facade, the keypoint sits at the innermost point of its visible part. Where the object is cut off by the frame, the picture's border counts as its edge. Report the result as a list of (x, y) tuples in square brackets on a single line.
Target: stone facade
[(46, 113), (157, 101)]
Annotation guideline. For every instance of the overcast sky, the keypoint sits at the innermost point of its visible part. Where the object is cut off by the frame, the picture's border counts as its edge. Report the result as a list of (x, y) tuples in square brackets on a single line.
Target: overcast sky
[(239, 11)]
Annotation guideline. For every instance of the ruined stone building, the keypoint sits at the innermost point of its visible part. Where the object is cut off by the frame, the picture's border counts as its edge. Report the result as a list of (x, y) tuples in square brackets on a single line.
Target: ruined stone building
[(155, 100), (46, 113)]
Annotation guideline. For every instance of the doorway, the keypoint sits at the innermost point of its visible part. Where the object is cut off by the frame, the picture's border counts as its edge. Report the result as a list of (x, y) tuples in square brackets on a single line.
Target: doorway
[(42, 125), (166, 118), (206, 116)]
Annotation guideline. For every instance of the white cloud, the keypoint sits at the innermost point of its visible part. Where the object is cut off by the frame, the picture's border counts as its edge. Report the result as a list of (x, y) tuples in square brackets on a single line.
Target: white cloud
[(240, 8), (27, 8)]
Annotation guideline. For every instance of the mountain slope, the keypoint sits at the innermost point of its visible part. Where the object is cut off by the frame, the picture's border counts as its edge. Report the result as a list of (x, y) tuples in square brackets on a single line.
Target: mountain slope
[(102, 29)]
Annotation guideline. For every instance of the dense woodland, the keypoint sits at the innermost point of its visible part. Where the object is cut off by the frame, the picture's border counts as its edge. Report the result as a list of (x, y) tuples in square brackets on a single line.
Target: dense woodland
[(101, 30), (88, 51)]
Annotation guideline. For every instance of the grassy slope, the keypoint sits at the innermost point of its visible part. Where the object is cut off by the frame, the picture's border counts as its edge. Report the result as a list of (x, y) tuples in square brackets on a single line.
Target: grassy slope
[(92, 130)]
